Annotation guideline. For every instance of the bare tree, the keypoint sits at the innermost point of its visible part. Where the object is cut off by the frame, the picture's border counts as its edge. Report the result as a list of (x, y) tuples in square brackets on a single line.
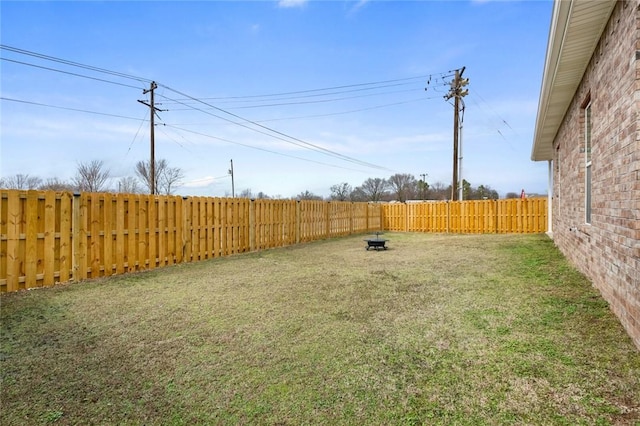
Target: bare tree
[(404, 185), (143, 170), (373, 189), (129, 185), (20, 181), (439, 191), (358, 195), (55, 184), (308, 195), (165, 177), (341, 191), (91, 177), (170, 177), (246, 193), (262, 196)]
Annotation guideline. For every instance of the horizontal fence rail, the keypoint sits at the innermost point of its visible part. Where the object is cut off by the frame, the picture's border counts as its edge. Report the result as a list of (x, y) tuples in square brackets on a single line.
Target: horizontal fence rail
[(49, 237)]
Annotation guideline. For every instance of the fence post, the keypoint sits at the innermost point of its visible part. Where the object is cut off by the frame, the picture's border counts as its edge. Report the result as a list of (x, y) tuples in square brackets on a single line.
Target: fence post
[(351, 218), (406, 217), (50, 202), (367, 217), (186, 237), (327, 218), (75, 236), (298, 220), (13, 240), (252, 224), (31, 239), (65, 237)]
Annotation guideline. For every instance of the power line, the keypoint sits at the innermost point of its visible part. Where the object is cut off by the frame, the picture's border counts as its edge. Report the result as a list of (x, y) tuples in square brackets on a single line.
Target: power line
[(144, 120), (69, 109), (72, 63), (69, 73), (192, 124), (260, 149), (491, 125), (136, 135), (272, 132), (329, 114), (421, 78), (317, 95), (502, 120), (257, 102), (171, 138), (349, 111), (379, 84), (314, 101), (277, 134), (245, 126)]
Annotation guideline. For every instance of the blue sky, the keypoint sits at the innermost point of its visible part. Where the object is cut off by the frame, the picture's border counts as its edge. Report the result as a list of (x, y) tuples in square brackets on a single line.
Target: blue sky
[(341, 82)]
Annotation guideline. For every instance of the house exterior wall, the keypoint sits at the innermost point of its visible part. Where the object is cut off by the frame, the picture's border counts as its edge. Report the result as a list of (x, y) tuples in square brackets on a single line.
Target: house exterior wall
[(607, 250)]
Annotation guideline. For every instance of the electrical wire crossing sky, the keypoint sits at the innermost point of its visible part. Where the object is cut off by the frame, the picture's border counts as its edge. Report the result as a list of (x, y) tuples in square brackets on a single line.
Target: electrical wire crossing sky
[(300, 95)]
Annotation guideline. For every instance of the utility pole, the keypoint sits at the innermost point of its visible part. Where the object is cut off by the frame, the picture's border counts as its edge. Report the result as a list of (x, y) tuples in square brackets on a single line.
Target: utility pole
[(456, 120), (424, 184), (154, 110), (233, 190), (457, 94), (461, 185)]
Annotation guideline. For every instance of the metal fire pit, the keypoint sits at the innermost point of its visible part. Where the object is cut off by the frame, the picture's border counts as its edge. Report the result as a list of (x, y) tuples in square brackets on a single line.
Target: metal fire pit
[(376, 243)]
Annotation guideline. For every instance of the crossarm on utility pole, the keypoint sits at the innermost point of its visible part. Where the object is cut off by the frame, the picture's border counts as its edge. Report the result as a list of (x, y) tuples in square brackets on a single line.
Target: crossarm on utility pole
[(456, 93), (152, 160)]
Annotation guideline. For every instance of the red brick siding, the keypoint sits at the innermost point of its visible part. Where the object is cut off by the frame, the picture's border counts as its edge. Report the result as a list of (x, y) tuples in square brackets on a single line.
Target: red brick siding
[(608, 250)]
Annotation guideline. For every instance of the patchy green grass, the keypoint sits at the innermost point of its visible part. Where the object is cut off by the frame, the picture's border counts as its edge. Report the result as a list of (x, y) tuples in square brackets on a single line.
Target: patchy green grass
[(439, 329)]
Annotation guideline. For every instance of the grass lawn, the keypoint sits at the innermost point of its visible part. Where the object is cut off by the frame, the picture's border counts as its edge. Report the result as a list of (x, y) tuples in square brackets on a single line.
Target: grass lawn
[(439, 329)]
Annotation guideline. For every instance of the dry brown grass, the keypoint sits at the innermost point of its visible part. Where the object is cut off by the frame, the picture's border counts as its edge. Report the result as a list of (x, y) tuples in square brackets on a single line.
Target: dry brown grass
[(439, 329)]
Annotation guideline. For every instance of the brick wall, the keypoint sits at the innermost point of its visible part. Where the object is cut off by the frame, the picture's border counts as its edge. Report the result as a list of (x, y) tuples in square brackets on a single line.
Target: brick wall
[(608, 250)]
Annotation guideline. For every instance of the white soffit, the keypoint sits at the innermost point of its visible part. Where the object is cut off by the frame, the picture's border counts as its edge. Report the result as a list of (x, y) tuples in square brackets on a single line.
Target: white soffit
[(576, 27)]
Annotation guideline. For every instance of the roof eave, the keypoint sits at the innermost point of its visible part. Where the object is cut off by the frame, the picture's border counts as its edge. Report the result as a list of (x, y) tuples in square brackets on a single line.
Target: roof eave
[(576, 26)]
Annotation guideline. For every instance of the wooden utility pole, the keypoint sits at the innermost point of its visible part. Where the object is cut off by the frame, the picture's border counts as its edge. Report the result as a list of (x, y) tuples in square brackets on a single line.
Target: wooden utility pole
[(152, 160), (233, 190), (457, 94), (456, 120)]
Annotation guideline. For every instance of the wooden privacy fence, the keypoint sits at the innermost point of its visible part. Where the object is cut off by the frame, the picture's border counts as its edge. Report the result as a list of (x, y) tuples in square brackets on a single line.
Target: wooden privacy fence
[(527, 215), (48, 237)]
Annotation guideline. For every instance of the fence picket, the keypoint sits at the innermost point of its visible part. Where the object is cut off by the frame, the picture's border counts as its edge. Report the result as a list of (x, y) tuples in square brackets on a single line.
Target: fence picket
[(172, 240), (93, 235), (109, 201), (120, 238), (152, 237), (31, 240), (65, 246), (13, 258), (49, 237)]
